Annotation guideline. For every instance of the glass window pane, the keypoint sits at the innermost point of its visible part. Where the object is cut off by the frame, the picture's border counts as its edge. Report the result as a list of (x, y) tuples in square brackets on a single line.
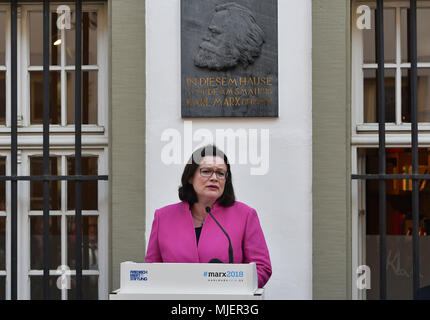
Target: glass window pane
[(423, 96), (89, 101), (89, 188), (404, 34), (36, 97), (36, 187), (2, 98), (36, 242), (423, 34), (2, 184), (2, 38), (399, 265), (369, 51), (36, 285), (2, 288), (2, 243), (390, 35), (55, 41), (370, 96), (89, 39), (36, 39), (90, 288), (406, 110), (89, 242), (399, 222), (2, 219)]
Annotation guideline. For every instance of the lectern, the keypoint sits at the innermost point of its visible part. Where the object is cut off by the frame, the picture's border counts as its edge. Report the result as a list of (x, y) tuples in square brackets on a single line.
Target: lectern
[(187, 281)]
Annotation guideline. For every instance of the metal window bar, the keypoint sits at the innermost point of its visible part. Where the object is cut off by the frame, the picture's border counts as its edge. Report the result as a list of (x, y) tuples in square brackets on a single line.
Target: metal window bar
[(46, 177), (54, 178), (14, 151), (78, 158), (382, 176), (46, 171), (414, 119), (382, 170)]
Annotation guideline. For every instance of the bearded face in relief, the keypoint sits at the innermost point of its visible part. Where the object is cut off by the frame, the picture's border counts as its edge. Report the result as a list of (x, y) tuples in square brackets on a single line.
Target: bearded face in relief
[(233, 38)]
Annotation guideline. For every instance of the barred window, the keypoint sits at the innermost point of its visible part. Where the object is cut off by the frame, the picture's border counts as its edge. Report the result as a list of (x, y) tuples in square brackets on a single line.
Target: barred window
[(30, 151), (381, 155)]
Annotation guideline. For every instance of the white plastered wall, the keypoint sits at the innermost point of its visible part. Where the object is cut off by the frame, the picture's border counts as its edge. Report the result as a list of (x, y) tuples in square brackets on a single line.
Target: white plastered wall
[(283, 196)]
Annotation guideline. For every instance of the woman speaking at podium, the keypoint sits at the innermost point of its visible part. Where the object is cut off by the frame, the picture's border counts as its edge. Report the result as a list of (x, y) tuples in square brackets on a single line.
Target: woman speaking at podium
[(208, 225)]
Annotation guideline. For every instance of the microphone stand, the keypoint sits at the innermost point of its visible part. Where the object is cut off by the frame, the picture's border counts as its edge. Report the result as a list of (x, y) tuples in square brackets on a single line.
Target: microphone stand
[(230, 248)]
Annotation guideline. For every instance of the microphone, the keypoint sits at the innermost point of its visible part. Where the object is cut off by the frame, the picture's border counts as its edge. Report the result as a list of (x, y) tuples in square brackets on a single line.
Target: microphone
[(230, 248)]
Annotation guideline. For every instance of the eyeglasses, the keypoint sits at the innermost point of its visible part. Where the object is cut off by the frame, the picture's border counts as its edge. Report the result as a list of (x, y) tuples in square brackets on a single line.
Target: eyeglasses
[(208, 172)]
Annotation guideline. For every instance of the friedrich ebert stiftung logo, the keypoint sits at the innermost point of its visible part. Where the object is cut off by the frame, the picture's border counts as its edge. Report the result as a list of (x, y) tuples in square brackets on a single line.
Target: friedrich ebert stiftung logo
[(138, 275)]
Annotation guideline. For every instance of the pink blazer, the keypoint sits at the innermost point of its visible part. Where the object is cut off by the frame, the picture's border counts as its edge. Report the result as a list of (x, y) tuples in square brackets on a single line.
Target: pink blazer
[(173, 237)]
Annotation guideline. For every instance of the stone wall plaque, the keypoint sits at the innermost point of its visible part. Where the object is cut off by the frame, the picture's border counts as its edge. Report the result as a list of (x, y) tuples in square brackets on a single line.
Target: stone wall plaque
[(229, 58)]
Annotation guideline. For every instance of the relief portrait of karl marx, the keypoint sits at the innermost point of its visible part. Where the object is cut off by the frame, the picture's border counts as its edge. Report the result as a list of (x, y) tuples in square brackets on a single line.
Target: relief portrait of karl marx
[(234, 37)]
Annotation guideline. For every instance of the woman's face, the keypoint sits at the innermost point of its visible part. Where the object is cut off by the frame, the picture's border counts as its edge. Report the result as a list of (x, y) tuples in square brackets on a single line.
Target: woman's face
[(208, 180)]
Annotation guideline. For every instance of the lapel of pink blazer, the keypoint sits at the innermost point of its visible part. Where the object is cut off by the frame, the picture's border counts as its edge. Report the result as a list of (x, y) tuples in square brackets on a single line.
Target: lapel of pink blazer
[(210, 227)]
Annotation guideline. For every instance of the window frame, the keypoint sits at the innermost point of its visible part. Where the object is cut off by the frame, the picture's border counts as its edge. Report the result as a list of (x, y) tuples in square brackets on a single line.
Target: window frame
[(95, 142), (6, 273), (6, 68), (367, 133), (24, 268), (358, 217), (24, 126)]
